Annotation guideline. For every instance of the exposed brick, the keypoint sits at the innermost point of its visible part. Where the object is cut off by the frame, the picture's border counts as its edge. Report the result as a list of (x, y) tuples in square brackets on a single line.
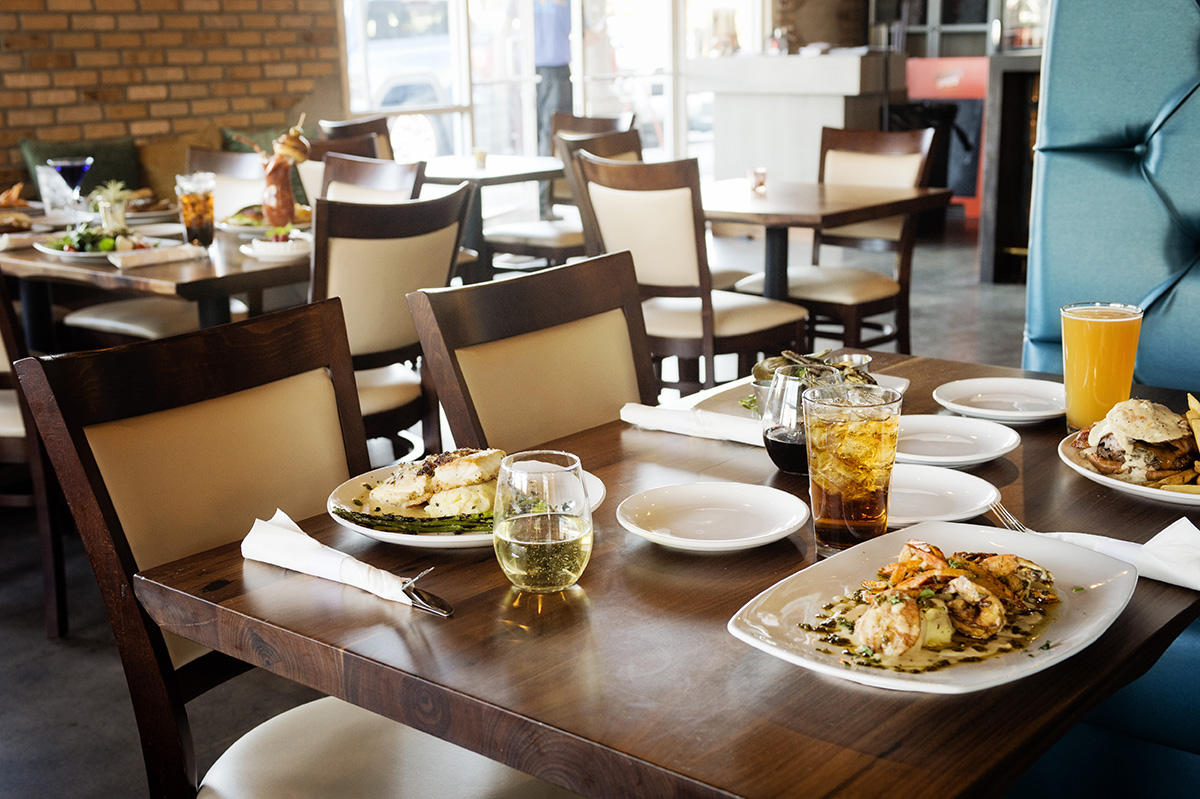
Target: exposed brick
[(26, 80), (8, 22), (125, 110), (268, 119), (244, 38), (86, 77), (25, 41), (266, 87), (228, 89), (285, 101), (160, 5), (318, 37), (164, 74), (263, 55), (74, 41), (209, 107), (248, 103), (187, 91), (245, 72), (13, 99), (147, 127), (10, 62), (53, 96), (297, 21), (105, 130), (145, 57), (102, 94), (45, 22), (68, 5), (122, 76), (120, 41), (313, 68), (204, 73), (168, 109), (51, 60), (94, 22), (31, 116), (13, 133), (201, 5), (204, 38), (224, 56), (24, 5), (80, 113), (316, 6), (232, 120), (284, 69), (182, 22), (60, 133), (280, 37), (263, 21), (138, 22), (164, 39), (120, 5), (185, 57), (156, 91), (244, 5)]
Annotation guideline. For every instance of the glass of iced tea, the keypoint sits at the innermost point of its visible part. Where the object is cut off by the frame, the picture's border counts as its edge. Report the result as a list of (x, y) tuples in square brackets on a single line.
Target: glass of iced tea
[(1100, 341), (851, 431), (195, 192), (543, 520)]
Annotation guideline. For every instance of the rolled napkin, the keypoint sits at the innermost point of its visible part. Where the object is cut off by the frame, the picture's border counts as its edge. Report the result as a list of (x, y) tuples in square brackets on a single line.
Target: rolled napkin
[(19, 241), (156, 255), (1172, 556), (693, 422), (281, 542)]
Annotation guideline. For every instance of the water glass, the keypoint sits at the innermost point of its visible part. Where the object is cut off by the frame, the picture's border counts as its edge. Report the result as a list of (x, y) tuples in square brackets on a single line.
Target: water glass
[(852, 432), (543, 520), (1100, 341), (195, 192)]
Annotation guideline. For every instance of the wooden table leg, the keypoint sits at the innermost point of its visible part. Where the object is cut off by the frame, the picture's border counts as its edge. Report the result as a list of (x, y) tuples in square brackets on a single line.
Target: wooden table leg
[(775, 282), (37, 316), (214, 311)]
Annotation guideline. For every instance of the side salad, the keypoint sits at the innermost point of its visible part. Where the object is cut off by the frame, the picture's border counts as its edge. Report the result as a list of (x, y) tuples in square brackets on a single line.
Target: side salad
[(90, 238)]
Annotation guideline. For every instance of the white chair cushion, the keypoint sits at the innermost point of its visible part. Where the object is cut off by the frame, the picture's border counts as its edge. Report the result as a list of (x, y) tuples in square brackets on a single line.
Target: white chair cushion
[(145, 317), (386, 388), (11, 423), (875, 229), (537, 233), (733, 315), (842, 285), (724, 277), (329, 748)]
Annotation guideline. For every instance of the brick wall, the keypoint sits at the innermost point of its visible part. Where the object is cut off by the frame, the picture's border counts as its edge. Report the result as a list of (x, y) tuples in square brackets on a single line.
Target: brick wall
[(96, 69)]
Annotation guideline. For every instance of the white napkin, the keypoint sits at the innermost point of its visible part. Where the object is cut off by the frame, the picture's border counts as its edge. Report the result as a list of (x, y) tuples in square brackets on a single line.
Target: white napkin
[(157, 255), (281, 542), (694, 422), (1172, 556), (18, 241)]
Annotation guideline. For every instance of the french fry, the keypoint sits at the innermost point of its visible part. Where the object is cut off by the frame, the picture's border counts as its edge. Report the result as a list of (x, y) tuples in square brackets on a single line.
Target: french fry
[(1177, 478), (1193, 420), (1191, 488), (1193, 403)]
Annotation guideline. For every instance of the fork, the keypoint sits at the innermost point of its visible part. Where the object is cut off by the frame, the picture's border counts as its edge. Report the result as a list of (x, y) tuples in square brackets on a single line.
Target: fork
[(1007, 519)]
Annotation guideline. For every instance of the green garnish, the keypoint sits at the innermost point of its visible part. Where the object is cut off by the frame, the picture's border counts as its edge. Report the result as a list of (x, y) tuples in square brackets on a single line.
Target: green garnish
[(392, 523), (1077, 589)]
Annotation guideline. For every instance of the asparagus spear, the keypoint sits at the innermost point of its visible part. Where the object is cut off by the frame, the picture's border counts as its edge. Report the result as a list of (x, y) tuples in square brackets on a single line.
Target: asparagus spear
[(449, 525)]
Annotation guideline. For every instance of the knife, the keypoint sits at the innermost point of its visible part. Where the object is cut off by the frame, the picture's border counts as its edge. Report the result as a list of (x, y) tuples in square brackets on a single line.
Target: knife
[(424, 600)]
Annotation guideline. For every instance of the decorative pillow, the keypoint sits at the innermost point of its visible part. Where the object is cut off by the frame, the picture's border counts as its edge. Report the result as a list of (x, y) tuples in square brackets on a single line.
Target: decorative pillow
[(264, 138), (114, 159), (164, 157)]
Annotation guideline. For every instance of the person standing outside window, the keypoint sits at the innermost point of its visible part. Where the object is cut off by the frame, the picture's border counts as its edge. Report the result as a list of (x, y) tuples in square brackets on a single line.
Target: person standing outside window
[(552, 60)]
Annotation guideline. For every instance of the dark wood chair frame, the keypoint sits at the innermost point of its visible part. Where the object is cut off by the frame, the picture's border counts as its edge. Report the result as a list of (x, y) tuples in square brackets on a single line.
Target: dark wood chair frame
[(374, 173), (349, 128), (603, 145), (684, 174), (143, 378), (562, 122), (449, 320), (846, 322), (354, 220), (366, 146), (32, 483)]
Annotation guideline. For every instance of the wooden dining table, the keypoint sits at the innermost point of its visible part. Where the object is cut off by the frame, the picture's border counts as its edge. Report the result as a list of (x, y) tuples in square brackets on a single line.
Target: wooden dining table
[(787, 204), (209, 282), (629, 684)]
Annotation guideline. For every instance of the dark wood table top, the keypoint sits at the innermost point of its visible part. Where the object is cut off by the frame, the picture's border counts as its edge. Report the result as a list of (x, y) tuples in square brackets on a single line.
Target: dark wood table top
[(812, 205), (630, 684), (224, 273), (498, 169)]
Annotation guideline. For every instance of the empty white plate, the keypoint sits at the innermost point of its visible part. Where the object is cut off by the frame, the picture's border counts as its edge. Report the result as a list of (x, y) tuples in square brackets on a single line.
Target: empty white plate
[(1004, 399), (712, 517), (936, 494), (952, 440)]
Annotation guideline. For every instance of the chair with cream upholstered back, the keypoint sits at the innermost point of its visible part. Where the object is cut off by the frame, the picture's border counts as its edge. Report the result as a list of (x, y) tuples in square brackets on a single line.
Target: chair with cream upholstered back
[(654, 211), (371, 256), (354, 179), (312, 170), (265, 416), (840, 299), (523, 361), (361, 126)]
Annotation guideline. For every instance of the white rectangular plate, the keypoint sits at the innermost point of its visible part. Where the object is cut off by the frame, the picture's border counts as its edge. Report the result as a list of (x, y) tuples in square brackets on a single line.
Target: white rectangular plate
[(771, 620)]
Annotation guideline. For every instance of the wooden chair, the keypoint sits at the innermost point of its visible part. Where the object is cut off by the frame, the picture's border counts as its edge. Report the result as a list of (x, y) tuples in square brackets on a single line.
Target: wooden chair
[(372, 256), (27, 480), (845, 297), (267, 413), (349, 128), (685, 316), (351, 178), (312, 171), (523, 361), (552, 240), (239, 182)]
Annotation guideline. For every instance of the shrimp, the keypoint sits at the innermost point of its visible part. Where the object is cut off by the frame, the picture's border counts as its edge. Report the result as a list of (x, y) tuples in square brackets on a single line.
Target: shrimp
[(927, 553), (974, 610), (1028, 582), (892, 625)]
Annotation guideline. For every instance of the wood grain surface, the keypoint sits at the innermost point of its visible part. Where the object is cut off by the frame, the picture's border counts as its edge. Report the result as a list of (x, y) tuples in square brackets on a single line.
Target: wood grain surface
[(629, 684)]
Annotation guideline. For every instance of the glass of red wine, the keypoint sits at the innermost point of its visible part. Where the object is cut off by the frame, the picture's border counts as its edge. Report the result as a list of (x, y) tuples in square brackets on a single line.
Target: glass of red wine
[(72, 169), (783, 415)]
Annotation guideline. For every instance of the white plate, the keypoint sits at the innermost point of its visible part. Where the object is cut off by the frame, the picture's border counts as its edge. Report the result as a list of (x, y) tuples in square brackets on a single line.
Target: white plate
[(248, 251), (144, 217), (255, 230), (92, 256), (1004, 399), (771, 620), (344, 495), (952, 440), (935, 494), (726, 399), (50, 220), (712, 517), (1075, 459)]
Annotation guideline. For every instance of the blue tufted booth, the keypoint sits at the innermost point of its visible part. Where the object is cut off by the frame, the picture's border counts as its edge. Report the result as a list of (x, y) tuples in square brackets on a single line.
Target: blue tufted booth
[(1116, 183), (1116, 217)]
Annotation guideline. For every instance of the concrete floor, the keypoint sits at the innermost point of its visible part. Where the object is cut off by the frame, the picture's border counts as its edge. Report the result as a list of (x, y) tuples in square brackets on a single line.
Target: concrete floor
[(66, 725)]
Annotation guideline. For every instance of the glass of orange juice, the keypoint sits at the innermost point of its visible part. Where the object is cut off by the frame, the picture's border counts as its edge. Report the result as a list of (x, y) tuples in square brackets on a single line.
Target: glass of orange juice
[(1100, 342)]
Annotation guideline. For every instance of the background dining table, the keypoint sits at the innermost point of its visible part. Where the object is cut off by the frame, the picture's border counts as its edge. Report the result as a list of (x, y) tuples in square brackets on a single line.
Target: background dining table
[(787, 204), (210, 282), (630, 684)]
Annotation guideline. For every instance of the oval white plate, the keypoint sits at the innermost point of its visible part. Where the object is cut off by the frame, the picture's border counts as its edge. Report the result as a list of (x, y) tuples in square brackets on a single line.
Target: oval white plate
[(255, 230), (952, 440), (344, 495), (1075, 459), (936, 494), (712, 517), (93, 256), (248, 251), (772, 620), (1004, 399)]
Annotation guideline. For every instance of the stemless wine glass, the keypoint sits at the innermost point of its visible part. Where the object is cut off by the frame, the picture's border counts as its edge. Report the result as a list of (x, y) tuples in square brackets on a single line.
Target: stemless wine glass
[(783, 414), (72, 168), (543, 520)]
